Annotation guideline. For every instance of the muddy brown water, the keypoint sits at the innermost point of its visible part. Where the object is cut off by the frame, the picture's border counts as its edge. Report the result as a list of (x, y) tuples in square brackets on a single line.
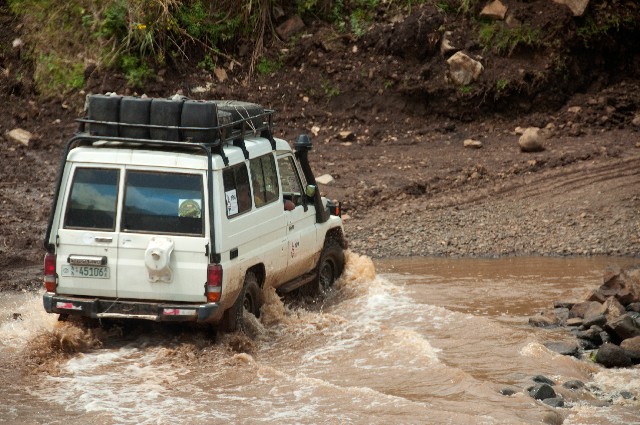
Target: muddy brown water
[(407, 341)]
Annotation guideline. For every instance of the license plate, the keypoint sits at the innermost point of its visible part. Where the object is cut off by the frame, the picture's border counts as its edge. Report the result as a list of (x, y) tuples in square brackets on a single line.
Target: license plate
[(95, 272)]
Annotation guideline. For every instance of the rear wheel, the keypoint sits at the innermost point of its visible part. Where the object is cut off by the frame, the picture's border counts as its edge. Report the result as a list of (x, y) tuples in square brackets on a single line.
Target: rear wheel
[(249, 299), (329, 269)]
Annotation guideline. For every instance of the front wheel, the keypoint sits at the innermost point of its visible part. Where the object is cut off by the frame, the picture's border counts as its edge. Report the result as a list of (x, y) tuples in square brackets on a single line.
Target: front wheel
[(330, 267), (249, 299)]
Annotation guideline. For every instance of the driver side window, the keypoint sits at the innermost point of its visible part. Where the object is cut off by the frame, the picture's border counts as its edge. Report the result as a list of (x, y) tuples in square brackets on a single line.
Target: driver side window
[(290, 180)]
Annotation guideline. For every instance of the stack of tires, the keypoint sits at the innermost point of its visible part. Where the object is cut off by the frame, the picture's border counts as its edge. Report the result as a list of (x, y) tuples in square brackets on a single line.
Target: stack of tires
[(173, 119)]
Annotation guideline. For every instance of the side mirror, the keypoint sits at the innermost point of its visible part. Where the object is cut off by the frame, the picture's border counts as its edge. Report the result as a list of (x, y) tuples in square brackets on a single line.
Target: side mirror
[(310, 191)]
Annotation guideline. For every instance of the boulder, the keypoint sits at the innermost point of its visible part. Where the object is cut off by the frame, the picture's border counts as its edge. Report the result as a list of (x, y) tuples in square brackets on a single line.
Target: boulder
[(20, 136), (472, 144), (530, 140), (445, 44), (346, 135), (624, 327), (462, 69), (507, 391), (577, 6), (290, 27), (592, 334), (580, 309), (324, 179), (610, 355), (494, 10), (564, 348), (622, 284), (631, 345), (599, 320), (613, 308), (574, 385), (542, 391), (575, 321), (543, 321), (554, 402)]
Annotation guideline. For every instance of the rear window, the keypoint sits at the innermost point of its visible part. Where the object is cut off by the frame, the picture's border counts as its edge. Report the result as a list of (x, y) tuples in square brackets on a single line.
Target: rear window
[(264, 180), (237, 192), (93, 199), (163, 203)]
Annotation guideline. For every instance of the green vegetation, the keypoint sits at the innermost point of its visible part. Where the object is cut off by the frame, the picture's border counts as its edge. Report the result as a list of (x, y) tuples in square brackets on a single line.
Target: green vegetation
[(268, 66), (61, 73), (137, 37), (57, 44), (330, 91), (502, 84), (468, 6), (601, 22), (466, 89), (502, 39)]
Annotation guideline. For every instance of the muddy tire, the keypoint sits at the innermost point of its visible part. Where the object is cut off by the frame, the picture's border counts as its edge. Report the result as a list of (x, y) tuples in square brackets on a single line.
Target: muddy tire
[(250, 299), (329, 269)]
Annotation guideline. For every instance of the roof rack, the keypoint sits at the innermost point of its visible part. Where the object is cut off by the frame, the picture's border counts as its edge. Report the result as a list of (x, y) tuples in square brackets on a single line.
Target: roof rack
[(177, 122)]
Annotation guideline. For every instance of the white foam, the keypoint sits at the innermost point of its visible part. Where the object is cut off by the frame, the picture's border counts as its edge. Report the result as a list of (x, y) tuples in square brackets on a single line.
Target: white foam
[(31, 318)]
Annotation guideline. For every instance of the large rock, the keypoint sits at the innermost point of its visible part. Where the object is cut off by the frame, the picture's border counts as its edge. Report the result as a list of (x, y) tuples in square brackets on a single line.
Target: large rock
[(584, 309), (564, 348), (494, 10), (622, 284), (632, 345), (610, 355), (463, 70), (623, 327), (290, 27), (577, 6), (530, 140), (542, 392), (613, 308), (20, 136)]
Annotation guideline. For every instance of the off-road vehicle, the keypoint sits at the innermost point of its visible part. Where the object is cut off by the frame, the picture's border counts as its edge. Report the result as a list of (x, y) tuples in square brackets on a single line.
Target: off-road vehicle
[(183, 210)]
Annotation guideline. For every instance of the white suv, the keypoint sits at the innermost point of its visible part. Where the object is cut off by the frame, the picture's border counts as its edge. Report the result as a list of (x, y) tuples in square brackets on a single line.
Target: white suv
[(183, 210)]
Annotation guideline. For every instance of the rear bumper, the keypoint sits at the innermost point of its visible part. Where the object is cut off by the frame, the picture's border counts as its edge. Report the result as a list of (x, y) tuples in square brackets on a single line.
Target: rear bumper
[(97, 308)]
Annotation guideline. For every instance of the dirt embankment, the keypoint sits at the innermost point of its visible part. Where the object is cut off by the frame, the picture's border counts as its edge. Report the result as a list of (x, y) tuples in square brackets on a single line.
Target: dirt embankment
[(390, 131)]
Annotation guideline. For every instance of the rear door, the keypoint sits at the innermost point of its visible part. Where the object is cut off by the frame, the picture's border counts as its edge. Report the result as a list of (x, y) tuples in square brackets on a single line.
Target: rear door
[(87, 249), (162, 244)]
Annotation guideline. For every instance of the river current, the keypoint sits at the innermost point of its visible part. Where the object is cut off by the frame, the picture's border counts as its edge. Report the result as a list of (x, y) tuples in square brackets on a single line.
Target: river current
[(401, 341)]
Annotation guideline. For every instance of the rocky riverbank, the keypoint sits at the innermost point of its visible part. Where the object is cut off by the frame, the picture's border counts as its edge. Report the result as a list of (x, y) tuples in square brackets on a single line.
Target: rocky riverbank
[(606, 324)]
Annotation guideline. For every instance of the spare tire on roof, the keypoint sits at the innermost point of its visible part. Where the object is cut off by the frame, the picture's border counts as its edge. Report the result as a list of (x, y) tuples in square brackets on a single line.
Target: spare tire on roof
[(240, 111), (104, 108), (134, 110), (166, 112), (205, 115)]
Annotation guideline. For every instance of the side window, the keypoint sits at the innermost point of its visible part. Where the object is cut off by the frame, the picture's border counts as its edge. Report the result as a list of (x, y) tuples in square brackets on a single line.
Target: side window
[(264, 180), (237, 192), (290, 180), (93, 199), (163, 203)]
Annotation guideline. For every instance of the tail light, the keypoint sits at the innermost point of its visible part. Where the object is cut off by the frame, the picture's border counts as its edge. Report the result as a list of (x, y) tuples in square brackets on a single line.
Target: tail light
[(50, 277), (214, 282)]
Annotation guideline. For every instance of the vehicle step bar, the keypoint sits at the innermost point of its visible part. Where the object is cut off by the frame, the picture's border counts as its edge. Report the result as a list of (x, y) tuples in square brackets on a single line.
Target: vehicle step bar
[(296, 283)]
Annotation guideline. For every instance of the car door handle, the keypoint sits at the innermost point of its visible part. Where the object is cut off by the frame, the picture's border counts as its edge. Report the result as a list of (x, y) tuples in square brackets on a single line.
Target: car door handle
[(291, 227), (103, 239)]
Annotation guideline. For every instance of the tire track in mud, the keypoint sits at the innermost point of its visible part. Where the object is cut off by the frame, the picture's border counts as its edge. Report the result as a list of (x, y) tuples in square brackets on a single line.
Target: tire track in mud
[(555, 183)]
